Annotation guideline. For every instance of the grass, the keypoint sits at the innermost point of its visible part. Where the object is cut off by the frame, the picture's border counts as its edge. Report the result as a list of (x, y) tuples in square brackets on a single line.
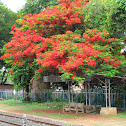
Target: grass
[(121, 114), (33, 105), (28, 108)]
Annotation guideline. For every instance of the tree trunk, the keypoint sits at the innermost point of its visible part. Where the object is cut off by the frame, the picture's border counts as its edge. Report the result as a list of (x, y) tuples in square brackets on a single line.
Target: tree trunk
[(27, 93)]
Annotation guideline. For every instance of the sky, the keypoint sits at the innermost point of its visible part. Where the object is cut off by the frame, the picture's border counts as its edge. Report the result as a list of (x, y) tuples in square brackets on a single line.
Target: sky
[(14, 5)]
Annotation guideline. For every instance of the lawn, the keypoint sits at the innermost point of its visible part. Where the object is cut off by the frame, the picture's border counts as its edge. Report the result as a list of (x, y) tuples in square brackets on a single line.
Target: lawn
[(48, 109), (53, 110)]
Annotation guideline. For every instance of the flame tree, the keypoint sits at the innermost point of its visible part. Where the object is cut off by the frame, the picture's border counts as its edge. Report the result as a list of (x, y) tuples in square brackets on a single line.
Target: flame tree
[(55, 42)]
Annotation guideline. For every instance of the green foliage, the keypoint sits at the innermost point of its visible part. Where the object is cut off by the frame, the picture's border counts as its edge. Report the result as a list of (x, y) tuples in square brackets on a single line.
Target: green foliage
[(22, 76), (95, 15), (122, 68), (117, 19), (7, 19), (107, 14), (36, 6)]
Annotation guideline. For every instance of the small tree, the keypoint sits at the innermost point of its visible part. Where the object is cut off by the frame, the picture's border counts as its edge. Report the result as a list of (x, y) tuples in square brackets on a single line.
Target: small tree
[(21, 78)]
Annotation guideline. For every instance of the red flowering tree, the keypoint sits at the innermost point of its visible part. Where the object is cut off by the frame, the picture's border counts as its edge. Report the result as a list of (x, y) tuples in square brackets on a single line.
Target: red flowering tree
[(56, 42)]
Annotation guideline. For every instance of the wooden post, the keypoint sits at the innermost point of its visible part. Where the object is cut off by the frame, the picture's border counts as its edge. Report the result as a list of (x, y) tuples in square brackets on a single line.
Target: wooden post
[(106, 91)]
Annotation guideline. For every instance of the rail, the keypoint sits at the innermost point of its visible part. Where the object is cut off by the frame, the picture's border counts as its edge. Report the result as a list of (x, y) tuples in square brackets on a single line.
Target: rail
[(23, 120)]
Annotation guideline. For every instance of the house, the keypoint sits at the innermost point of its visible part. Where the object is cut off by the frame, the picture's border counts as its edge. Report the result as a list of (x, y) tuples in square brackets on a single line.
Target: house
[(8, 85)]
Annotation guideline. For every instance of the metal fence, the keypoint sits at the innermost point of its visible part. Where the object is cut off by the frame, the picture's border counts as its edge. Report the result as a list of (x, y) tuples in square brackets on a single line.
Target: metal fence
[(11, 94), (94, 97)]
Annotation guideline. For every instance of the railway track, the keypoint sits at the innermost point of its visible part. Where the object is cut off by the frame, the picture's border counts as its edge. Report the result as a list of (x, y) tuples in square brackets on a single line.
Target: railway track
[(10, 119), (5, 123)]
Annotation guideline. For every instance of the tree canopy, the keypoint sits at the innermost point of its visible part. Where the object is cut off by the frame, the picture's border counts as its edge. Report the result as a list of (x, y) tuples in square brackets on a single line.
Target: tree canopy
[(106, 14), (36, 6), (7, 19), (55, 41)]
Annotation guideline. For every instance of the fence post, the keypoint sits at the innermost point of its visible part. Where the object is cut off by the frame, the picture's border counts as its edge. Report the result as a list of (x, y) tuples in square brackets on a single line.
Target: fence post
[(97, 100), (17, 94), (86, 92), (120, 102), (100, 97), (6, 94), (11, 94), (1, 93), (41, 94), (22, 94), (81, 96), (111, 98), (47, 94), (72, 95), (55, 93), (124, 99), (63, 95), (35, 96), (89, 90), (89, 96)]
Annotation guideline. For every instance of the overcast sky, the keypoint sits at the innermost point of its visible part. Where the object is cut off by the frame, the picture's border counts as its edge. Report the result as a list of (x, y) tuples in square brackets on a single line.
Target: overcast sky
[(14, 5)]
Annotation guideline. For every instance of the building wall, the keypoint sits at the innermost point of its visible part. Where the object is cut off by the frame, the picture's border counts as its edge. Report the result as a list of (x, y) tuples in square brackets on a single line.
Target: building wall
[(6, 86), (37, 85)]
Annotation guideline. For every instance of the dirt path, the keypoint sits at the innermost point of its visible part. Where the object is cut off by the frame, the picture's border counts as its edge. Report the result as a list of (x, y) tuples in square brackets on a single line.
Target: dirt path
[(85, 119)]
